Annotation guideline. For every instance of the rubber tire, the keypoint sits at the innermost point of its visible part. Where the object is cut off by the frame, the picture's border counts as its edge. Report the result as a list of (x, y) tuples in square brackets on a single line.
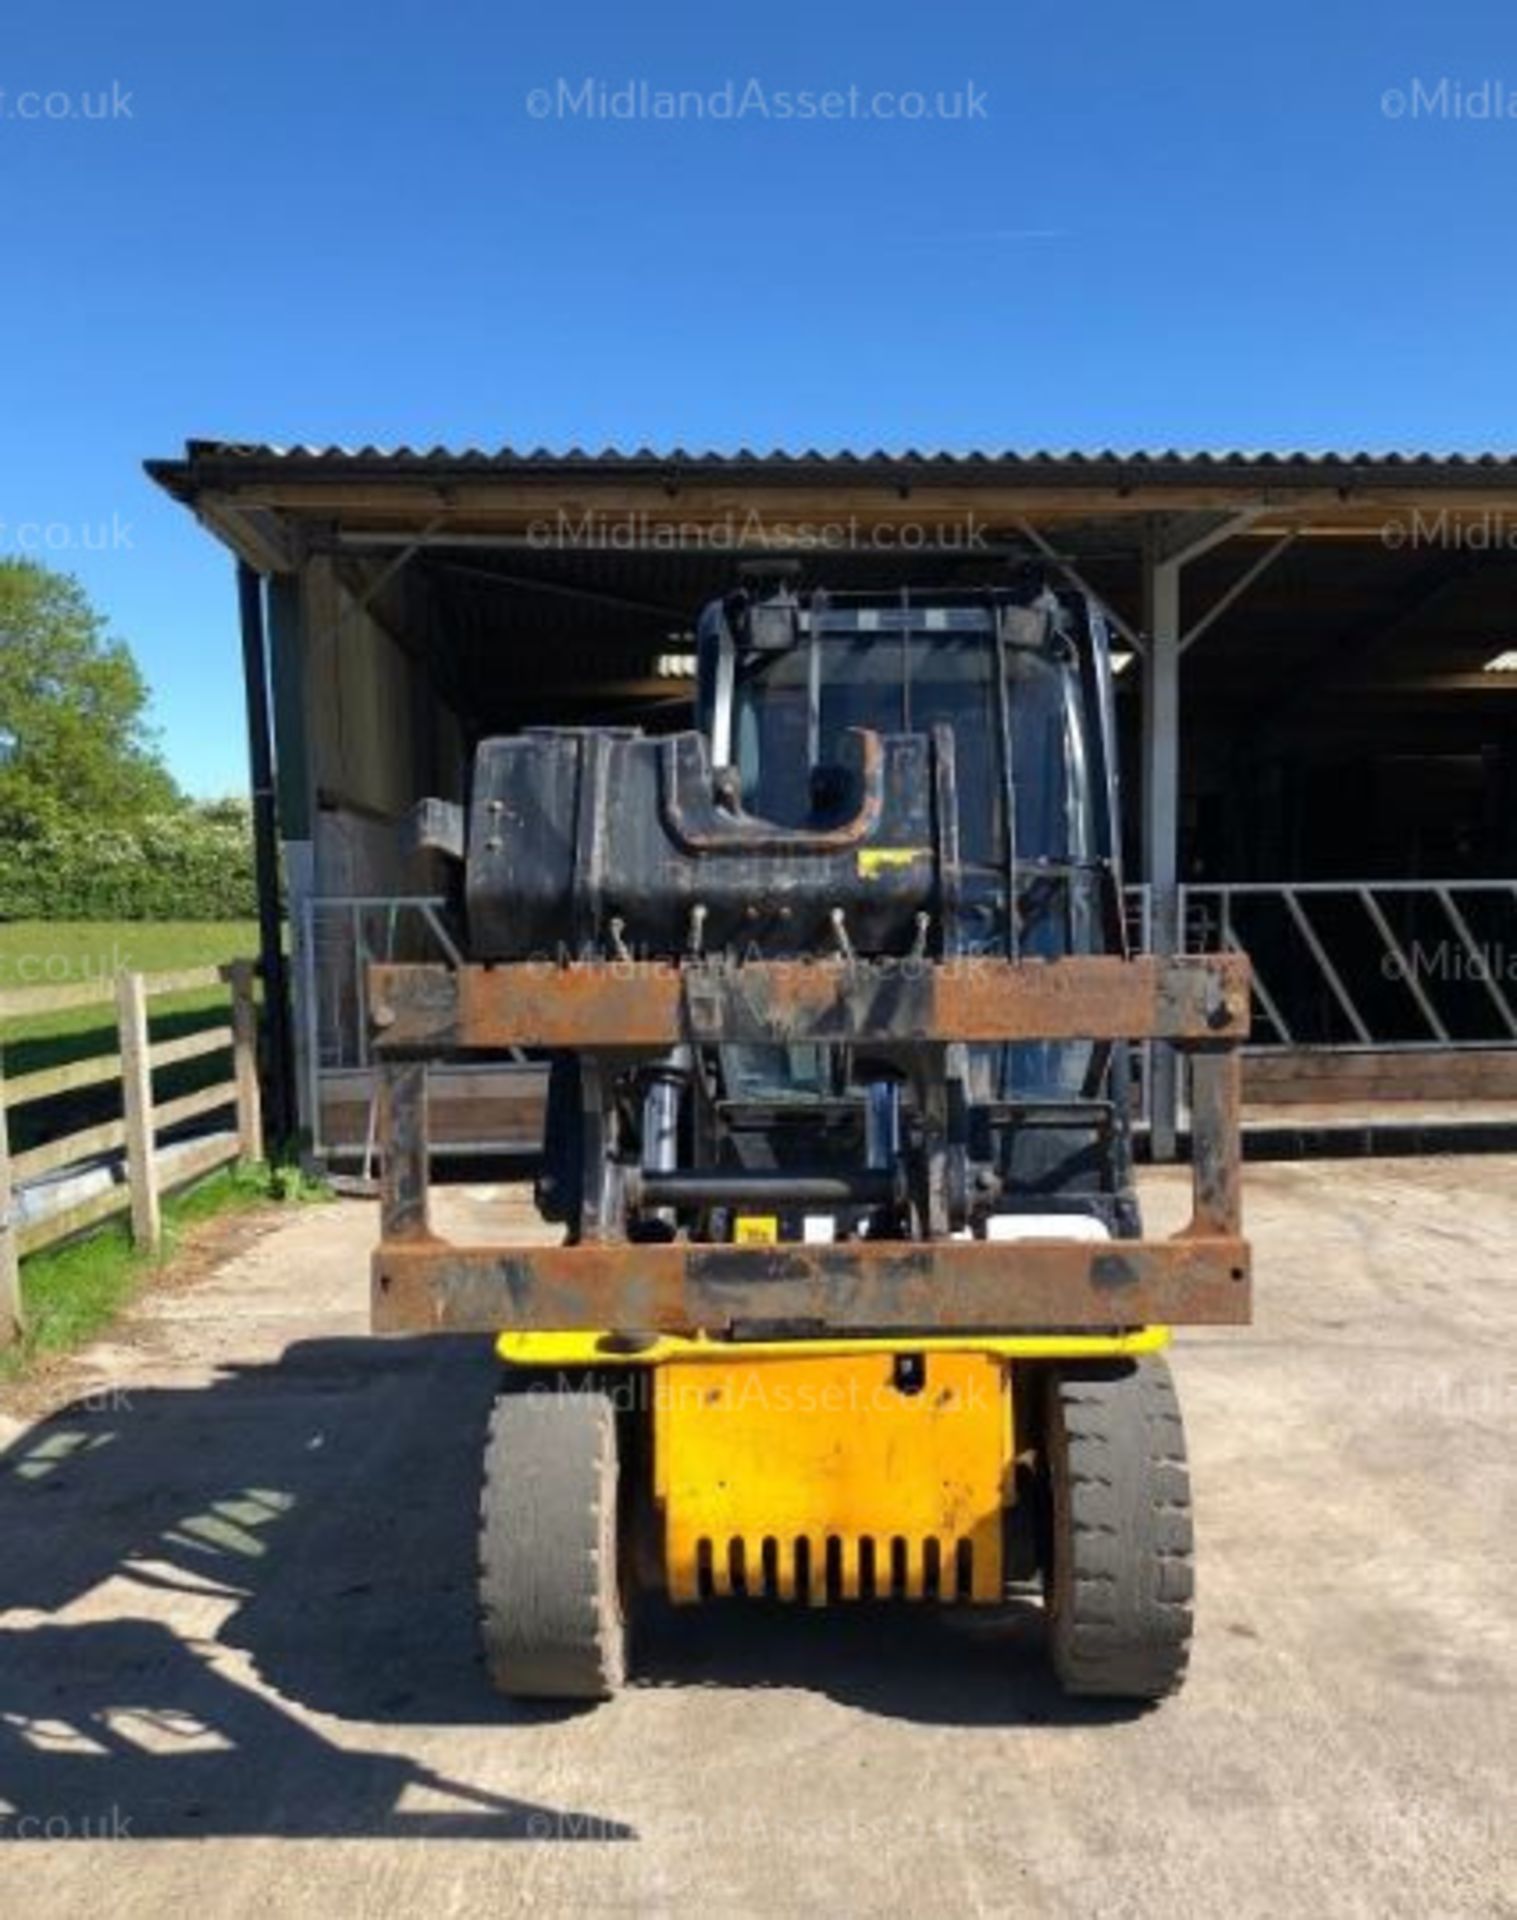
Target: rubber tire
[(1121, 1579), (551, 1608)]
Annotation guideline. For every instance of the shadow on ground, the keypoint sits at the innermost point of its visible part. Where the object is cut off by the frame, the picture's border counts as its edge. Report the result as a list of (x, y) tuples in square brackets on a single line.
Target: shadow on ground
[(330, 1498), (122, 1730)]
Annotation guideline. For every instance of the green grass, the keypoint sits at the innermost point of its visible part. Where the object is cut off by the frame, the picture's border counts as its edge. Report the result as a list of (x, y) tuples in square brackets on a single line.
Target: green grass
[(35, 953), (69, 1293), (58, 953)]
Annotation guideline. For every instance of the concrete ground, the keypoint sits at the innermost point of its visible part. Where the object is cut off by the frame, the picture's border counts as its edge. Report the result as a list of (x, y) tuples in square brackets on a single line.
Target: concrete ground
[(236, 1653)]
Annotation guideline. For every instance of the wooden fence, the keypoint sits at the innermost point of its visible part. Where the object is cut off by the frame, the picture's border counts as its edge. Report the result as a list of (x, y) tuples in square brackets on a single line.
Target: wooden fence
[(143, 1118)]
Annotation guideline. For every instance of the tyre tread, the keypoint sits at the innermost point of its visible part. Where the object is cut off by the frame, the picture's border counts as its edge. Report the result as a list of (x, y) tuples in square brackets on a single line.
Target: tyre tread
[(551, 1616), (1120, 1605)]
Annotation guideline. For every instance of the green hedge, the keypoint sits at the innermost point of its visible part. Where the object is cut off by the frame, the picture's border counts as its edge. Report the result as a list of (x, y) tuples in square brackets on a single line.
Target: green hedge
[(194, 864)]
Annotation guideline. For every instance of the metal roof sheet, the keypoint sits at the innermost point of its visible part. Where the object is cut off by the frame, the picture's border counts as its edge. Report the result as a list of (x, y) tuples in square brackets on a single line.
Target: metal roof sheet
[(232, 452)]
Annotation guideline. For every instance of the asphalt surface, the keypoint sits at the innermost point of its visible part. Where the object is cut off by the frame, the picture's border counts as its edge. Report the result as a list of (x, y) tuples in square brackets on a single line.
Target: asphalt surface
[(237, 1668)]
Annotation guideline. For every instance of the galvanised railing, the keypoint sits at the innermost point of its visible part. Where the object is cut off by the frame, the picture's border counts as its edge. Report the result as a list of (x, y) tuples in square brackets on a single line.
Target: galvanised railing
[(1392, 964)]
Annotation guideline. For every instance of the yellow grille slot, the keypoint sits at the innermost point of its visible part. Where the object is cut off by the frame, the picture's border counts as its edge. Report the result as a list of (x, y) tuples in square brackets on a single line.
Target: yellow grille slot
[(862, 1569), (821, 1480)]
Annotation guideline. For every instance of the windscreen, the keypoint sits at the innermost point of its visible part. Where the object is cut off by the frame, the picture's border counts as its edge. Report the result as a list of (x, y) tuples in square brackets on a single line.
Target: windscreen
[(910, 679), (910, 670)]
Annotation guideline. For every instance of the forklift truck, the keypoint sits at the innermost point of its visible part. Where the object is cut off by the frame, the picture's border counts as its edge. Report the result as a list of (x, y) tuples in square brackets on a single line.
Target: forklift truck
[(853, 1301)]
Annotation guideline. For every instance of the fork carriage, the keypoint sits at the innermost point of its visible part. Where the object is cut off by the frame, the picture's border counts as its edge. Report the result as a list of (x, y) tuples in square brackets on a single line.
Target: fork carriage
[(618, 1013)]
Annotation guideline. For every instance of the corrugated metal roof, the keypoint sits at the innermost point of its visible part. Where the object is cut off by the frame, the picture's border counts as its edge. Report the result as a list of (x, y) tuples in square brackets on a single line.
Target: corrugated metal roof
[(252, 494), (239, 452)]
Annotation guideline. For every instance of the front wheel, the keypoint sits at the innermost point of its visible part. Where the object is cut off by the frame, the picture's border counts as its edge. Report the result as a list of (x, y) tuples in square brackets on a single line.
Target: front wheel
[(1119, 1577), (549, 1584)]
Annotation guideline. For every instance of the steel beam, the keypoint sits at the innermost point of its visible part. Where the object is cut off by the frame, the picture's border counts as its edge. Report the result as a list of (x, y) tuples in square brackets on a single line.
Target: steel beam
[(879, 1286), (1173, 542), (432, 1011), (1161, 809), (279, 1092)]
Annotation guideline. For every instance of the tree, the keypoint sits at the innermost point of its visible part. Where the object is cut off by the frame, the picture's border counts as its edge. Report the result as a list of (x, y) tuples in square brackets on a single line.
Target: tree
[(74, 739)]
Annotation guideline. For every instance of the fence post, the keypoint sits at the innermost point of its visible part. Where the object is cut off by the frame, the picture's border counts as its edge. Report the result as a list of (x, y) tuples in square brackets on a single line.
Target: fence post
[(137, 1107), (245, 1060), (11, 1323)]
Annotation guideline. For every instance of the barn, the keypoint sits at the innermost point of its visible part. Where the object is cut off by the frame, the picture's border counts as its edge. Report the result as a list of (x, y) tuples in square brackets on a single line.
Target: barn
[(1318, 698)]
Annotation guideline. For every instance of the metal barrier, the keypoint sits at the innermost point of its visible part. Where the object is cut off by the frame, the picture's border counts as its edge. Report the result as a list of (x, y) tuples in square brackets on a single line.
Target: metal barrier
[(1357, 971), (341, 935), (344, 935), (1386, 964), (1340, 966)]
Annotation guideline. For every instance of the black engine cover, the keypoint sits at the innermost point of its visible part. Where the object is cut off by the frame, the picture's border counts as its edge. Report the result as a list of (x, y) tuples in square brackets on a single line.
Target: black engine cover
[(572, 828)]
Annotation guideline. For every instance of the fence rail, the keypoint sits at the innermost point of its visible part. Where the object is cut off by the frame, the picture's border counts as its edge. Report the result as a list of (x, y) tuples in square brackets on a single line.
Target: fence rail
[(144, 1115)]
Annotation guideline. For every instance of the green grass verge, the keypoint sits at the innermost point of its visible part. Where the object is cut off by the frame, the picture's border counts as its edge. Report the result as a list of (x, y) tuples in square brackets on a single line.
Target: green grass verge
[(59, 953), (36, 953), (72, 1292)]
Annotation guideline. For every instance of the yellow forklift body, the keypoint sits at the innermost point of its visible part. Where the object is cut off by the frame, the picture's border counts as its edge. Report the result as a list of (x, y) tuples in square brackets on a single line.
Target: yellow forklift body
[(822, 1478), (824, 1470)]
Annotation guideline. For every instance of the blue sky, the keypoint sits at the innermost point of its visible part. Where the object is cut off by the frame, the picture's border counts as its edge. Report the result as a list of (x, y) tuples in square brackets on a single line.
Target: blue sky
[(1178, 224)]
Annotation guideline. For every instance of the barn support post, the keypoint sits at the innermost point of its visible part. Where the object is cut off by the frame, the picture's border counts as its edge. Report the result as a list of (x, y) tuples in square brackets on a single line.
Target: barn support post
[(295, 781), (1161, 812), (279, 1106), (1170, 544)]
